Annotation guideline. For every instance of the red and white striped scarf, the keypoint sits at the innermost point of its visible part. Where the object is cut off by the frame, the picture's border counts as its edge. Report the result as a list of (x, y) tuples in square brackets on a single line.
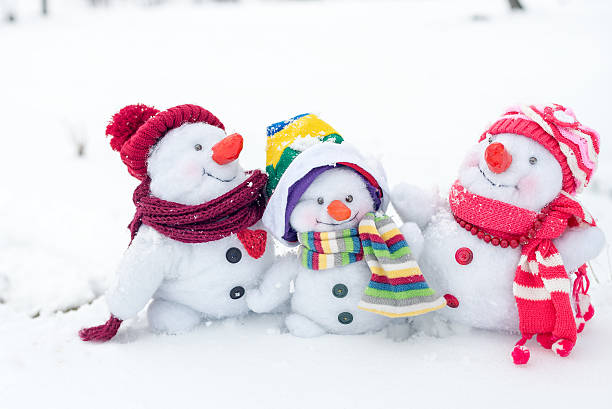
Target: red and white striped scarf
[(541, 283)]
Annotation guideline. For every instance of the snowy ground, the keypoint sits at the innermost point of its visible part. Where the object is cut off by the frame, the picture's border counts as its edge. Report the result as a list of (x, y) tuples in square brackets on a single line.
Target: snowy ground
[(414, 82)]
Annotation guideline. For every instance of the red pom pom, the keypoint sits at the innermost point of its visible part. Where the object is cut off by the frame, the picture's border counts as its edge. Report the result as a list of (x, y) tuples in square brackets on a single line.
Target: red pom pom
[(451, 301), (520, 355), (563, 347), (126, 122), (589, 314)]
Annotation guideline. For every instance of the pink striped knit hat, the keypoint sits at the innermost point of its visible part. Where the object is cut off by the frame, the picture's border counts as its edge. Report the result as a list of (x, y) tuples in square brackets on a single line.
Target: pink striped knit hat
[(575, 146)]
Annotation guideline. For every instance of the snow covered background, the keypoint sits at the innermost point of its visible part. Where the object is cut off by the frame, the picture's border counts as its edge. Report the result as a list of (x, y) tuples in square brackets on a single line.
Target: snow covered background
[(413, 82)]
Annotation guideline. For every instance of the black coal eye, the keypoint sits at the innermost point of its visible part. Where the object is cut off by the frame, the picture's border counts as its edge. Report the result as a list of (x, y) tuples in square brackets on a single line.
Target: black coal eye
[(320, 200), (533, 160), (490, 139), (349, 199), (197, 147)]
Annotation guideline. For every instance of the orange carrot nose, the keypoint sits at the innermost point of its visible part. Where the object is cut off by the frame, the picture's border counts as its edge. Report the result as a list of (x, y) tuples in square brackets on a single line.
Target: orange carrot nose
[(497, 157), (227, 149), (338, 210)]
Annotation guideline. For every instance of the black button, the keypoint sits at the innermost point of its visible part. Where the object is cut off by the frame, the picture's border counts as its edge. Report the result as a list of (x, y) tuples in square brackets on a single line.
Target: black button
[(340, 291), (345, 317), (233, 255), (237, 292)]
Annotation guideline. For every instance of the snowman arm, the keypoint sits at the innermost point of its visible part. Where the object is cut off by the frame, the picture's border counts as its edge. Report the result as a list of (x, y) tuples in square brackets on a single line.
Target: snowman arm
[(414, 204), (579, 245), (274, 288), (414, 237), (139, 275)]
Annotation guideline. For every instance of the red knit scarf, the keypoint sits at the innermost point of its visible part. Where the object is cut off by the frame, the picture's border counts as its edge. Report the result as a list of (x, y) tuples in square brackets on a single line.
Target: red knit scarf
[(541, 284), (232, 212)]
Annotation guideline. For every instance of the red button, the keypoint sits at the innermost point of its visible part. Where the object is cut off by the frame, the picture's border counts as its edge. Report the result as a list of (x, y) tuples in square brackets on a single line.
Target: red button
[(451, 301), (464, 256)]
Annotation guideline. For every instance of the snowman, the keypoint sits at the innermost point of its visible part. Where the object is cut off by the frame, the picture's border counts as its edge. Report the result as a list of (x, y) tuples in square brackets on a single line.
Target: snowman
[(512, 234), (197, 244), (320, 191)]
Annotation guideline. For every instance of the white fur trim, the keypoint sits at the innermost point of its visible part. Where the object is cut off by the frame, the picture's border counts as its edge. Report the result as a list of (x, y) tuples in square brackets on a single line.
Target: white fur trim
[(318, 155)]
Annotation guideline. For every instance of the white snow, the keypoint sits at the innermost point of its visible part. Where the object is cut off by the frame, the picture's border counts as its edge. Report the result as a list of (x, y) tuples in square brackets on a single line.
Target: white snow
[(413, 82)]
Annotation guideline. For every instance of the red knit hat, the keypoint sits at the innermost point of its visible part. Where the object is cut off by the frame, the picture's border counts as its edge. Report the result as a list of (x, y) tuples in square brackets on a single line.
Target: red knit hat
[(137, 128), (575, 146)]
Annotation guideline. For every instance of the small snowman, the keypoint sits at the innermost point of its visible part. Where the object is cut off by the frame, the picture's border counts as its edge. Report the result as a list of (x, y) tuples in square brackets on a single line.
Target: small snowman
[(321, 190), (512, 233), (197, 246)]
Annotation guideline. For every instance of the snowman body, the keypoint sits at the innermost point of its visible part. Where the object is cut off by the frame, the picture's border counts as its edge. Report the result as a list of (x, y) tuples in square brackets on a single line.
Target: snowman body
[(211, 278), (510, 168), (337, 292), (188, 282), (326, 300), (478, 274)]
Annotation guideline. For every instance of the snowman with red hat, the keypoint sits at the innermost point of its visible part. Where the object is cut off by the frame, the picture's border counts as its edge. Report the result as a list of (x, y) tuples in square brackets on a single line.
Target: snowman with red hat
[(197, 246), (511, 237), (355, 269)]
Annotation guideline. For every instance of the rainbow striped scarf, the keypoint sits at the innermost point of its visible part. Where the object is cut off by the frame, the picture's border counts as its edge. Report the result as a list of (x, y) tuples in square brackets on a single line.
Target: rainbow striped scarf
[(397, 287), (320, 251)]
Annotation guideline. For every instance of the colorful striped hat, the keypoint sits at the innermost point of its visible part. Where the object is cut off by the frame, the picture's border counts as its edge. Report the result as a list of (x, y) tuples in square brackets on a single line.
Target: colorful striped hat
[(575, 146), (297, 151), (397, 287), (287, 139)]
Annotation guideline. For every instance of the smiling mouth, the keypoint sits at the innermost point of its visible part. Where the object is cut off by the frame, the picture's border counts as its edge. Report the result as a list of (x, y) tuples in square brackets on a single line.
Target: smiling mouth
[(204, 172), (493, 183), (338, 224)]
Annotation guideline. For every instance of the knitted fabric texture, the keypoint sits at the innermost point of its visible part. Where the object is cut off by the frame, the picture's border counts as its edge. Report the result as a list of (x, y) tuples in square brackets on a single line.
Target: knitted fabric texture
[(323, 250), (229, 213), (575, 146), (287, 139), (541, 285), (101, 333), (397, 287), (135, 129)]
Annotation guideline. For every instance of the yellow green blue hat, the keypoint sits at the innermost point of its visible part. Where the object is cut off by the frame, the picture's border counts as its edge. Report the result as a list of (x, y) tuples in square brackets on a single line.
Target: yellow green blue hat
[(287, 139)]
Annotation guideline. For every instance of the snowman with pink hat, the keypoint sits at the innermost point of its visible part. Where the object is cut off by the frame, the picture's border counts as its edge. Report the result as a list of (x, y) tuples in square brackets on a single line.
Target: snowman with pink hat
[(197, 244), (512, 241)]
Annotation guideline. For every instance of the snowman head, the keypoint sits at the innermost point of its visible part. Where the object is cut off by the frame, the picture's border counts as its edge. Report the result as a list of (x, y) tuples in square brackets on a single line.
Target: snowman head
[(184, 151), (195, 163), (513, 169), (337, 199), (530, 155)]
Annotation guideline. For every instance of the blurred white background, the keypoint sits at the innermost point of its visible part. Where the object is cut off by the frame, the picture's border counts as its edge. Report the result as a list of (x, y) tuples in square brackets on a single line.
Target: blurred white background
[(413, 82)]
